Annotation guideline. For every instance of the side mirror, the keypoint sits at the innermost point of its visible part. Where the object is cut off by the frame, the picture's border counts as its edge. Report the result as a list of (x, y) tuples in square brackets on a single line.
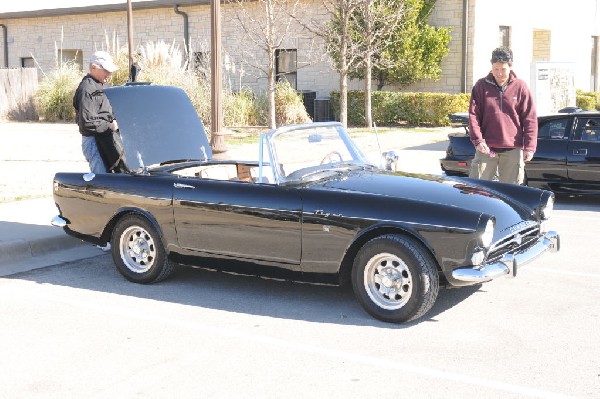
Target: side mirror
[(315, 138), (391, 160)]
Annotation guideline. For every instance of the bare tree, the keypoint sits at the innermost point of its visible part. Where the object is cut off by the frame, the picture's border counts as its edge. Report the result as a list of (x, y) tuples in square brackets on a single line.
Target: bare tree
[(267, 28), (343, 48), (375, 25), (380, 35)]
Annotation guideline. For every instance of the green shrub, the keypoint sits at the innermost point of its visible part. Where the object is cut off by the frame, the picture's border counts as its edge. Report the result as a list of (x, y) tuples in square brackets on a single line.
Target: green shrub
[(161, 64), (289, 108), (588, 100), (54, 96), (261, 102), (391, 108), (240, 109)]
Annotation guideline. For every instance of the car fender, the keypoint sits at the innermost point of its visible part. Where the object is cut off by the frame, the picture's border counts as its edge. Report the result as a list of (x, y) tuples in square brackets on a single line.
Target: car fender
[(368, 234), (125, 211)]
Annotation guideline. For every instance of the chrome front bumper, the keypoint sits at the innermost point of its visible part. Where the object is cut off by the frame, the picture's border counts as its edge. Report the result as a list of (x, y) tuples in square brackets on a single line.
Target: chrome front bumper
[(510, 263), (58, 221)]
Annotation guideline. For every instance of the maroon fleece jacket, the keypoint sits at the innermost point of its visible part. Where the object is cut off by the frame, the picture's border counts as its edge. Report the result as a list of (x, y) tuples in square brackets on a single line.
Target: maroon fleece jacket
[(503, 118)]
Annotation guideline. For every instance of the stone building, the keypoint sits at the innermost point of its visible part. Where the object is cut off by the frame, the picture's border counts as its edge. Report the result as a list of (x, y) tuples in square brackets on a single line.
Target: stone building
[(537, 31)]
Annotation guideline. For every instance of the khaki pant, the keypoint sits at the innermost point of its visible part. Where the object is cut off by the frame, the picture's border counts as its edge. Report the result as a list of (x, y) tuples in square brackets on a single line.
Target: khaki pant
[(508, 165)]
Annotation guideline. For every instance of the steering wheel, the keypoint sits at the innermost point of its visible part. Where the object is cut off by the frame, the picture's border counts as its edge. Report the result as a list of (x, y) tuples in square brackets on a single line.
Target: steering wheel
[(330, 157)]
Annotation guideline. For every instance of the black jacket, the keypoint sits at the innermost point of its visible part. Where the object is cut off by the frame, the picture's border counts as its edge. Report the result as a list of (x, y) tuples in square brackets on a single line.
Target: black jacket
[(92, 108), (94, 116)]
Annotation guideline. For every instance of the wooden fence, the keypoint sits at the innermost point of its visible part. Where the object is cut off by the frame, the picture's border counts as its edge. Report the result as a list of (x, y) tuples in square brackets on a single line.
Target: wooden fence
[(17, 86)]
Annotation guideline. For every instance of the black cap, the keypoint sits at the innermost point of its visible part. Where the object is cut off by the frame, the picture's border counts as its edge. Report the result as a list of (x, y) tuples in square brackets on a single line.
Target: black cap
[(502, 54)]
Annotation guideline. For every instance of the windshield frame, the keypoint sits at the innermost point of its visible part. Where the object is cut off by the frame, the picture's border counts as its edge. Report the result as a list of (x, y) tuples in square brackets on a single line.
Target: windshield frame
[(336, 138)]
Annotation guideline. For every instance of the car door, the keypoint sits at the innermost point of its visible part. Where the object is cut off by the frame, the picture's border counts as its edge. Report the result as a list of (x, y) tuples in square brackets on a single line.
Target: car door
[(549, 165), (583, 159), (238, 219)]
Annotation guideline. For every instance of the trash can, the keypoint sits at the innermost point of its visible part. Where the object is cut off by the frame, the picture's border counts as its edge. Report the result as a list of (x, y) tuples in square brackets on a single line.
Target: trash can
[(323, 110)]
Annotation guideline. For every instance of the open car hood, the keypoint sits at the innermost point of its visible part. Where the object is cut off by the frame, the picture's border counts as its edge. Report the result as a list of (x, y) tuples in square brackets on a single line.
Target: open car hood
[(157, 124)]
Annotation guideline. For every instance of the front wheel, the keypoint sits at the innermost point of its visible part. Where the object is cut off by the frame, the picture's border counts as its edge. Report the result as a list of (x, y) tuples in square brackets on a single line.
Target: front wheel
[(138, 252), (395, 278)]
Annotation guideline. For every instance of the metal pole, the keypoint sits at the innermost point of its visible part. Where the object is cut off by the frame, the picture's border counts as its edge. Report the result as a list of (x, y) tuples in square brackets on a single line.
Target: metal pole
[(465, 46), (130, 35), (5, 41), (596, 64), (217, 140)]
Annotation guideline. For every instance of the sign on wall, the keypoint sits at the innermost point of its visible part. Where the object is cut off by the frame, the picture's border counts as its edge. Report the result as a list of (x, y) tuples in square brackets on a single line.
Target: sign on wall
[(553, 86)]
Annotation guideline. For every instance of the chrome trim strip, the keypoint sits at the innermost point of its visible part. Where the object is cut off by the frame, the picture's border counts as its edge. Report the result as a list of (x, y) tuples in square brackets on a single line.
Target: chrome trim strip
[(510, 263), (181, 185)]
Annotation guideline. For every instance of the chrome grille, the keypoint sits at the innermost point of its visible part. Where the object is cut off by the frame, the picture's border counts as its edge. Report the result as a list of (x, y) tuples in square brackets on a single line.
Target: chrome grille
[(517, 241)]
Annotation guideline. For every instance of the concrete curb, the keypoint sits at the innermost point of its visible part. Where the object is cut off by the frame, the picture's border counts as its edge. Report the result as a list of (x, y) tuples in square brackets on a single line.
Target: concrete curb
[(26, 235), (21, 249)]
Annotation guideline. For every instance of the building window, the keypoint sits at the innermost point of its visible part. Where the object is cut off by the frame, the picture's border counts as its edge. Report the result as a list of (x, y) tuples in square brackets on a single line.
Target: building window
[(504, 39), (73, 56), (286, 66), (27, 62)]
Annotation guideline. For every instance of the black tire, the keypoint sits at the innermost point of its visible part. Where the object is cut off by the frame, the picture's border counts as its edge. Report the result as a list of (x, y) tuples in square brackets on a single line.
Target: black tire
[(138, 252), (410, 282)]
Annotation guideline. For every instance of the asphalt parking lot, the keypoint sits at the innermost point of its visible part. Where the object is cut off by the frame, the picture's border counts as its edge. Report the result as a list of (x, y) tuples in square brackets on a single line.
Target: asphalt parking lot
[(78, 329)]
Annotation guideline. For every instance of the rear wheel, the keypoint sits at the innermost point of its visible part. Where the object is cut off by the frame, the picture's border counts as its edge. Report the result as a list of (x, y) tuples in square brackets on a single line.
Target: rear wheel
[(138, 252), (395, 278)]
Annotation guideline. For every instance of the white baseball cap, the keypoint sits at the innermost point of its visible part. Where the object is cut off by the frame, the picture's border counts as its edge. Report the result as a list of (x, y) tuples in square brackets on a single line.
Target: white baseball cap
[(103, 60)]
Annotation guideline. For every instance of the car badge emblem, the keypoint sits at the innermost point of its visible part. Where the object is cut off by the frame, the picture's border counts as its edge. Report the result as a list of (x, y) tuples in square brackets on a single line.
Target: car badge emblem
[(518, 239)]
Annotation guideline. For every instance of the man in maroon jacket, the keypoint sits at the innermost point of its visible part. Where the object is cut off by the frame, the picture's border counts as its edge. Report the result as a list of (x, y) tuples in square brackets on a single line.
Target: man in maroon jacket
[(502, 122)]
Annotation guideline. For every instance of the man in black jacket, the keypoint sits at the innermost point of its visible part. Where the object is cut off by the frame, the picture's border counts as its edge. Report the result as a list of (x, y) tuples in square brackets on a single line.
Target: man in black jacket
[(94, 114)]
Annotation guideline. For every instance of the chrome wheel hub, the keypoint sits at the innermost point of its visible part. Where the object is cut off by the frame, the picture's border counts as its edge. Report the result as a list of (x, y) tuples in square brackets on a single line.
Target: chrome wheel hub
[(388, 281), (137, 249)]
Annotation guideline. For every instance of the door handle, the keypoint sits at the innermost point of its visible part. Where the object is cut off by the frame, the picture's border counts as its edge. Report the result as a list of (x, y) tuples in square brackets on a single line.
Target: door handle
[(581, 151), (181, 185)]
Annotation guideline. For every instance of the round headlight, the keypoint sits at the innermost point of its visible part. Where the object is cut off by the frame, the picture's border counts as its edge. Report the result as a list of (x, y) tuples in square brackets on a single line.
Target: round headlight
[(488, 233), (548, 208)]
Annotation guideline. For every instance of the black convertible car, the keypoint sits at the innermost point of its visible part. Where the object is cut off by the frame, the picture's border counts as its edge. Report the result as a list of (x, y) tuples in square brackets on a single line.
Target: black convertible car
[(567, 159), (310, 207)]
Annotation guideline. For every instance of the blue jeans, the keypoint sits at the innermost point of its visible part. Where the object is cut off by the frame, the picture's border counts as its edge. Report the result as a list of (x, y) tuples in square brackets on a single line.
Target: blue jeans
[(91, 154)]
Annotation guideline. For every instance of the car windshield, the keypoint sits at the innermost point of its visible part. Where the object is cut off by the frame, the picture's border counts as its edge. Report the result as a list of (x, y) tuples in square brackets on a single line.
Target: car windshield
[(312, 151)]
